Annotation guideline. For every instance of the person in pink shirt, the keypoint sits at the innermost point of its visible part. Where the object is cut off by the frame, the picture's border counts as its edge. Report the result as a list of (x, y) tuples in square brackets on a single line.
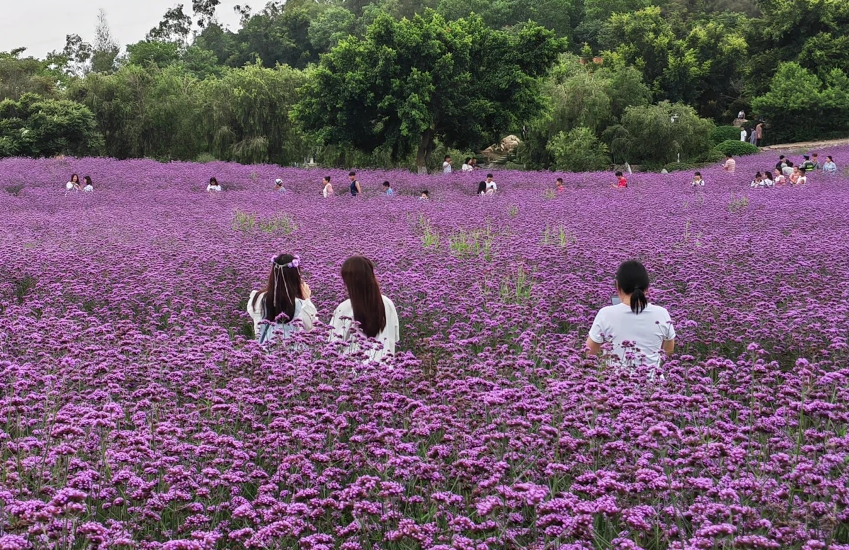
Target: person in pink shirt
[(730, 164)]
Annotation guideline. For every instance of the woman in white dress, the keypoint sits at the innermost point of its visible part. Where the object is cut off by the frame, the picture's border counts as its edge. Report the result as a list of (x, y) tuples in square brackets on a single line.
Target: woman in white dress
[(213, 186), (374, 313), (638, 330), (283, 307), (73, 184)]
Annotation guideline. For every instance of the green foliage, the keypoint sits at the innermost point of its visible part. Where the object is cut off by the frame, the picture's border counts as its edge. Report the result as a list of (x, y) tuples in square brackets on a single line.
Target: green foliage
[(736, 148), (737, 204), (247, 222), (724, 133), (19, 76), (412, 81), (37, 127), (657, 134), (579, 150), (800, 106)]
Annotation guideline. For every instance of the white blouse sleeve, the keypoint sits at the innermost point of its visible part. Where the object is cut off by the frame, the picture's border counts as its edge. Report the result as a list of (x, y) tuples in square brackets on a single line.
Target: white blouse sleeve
[(308, 314), (338, 324)]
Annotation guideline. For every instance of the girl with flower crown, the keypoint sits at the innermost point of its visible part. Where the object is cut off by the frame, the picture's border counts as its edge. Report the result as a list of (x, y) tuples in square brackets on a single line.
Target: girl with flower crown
[(283, 306)]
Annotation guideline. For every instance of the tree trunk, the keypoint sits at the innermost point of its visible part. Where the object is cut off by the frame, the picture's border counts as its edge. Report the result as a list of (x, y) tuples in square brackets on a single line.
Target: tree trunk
[(425, 146)]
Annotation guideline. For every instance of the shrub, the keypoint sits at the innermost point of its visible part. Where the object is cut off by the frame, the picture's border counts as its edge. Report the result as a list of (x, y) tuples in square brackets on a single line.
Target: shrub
[(736, 148), (681, 166), (724, 133), (659, 133), (579, 150)]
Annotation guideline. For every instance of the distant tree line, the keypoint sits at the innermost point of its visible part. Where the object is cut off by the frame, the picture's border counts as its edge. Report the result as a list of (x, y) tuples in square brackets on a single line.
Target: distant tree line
[(583, 83)]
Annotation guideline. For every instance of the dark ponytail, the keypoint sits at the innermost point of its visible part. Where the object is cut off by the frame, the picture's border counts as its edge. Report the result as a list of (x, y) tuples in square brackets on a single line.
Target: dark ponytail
[(633, 279)]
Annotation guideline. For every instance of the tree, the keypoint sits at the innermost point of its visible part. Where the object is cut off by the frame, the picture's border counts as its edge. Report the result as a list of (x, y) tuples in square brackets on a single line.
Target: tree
[(331, 26), (105, 49), (246, 115), (800, 106), (174, 27), (409, 82), (38, 127), (659, 133), (19, 76), (578, 151)]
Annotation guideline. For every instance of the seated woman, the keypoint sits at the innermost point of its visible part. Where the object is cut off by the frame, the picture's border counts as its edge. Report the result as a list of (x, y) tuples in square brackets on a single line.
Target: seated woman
[(638, 330), (758, 181), (213, 186), (73, 184), (88, 186), (829, 166), (283, 301), (779, 178), (373, 312)]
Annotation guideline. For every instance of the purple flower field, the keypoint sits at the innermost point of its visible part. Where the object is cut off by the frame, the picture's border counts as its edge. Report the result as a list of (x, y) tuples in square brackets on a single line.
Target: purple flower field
[(136, 411)]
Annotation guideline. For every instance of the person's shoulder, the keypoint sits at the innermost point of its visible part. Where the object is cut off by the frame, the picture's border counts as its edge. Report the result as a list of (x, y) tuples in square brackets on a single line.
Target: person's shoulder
[(255, 306), (658, 311), (344, 309), (388, 302)]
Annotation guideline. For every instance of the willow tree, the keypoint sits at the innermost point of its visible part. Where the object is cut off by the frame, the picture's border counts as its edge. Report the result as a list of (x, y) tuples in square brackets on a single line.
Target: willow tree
[(410, 82)]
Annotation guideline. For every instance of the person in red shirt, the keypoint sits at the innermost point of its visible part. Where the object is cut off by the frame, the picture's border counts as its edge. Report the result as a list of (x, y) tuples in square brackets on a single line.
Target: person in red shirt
[(623, 183), (559, 185)]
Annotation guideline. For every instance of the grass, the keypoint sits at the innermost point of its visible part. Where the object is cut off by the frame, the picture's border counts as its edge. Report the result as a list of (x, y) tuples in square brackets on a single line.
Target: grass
[(472, 243), (430, 236), (559, 236), (516, 288), (248, 222), (738, 204), (23, 286)]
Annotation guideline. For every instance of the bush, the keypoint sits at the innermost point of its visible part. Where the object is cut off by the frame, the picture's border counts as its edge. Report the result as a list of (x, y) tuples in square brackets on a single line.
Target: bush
[(713, 156), (736, 148), (579, 150), (681, 166), (724, 133), (659, 133)]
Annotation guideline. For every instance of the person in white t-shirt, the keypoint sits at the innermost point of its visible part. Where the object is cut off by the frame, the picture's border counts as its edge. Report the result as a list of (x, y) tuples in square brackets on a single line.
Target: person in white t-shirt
[(638, 330), (446, 165), (88, 188), (491, 187), (366, 312), (698, 180), (743, 134), (328, 189), (467, 166), (283, 307), (213, 186), (73, 184)]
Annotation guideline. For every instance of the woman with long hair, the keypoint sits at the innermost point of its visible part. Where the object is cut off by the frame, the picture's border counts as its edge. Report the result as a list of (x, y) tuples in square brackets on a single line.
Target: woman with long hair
[(73, 184), (88, 187), (638, 330), (284, 300), (374, 313)]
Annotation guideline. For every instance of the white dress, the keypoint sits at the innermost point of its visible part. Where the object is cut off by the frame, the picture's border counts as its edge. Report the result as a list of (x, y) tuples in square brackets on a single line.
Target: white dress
[(304, 312), (343, 318)]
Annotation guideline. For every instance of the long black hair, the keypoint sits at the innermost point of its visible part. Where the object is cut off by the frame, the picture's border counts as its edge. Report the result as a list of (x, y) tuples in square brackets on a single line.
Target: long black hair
[(284, 286), (364, 292), (482, 187), (632, 278)]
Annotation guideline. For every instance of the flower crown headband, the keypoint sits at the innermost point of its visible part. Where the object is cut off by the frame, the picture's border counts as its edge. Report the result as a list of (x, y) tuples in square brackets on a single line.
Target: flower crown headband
[(294, 264)]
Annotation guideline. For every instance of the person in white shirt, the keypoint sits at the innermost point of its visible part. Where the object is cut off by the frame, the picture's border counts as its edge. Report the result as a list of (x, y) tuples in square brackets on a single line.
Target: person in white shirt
[(73, 184), (374, 314), (801, 179), (758, 181), (213, 186), (491, 188), (638, 330), (698, 180), (283, 307), (328, 189), (767, 176), (743, 134), (467, 166), (446, 165), (788, 169), (278, 186), (88, 186)]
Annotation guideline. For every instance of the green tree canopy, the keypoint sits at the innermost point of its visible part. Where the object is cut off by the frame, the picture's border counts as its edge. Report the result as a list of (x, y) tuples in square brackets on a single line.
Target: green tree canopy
[(411, 81)]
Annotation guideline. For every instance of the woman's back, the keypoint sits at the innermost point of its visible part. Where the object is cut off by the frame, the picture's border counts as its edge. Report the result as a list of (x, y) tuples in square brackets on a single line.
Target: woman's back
[(645, 332), (304, 311), (342, 327)]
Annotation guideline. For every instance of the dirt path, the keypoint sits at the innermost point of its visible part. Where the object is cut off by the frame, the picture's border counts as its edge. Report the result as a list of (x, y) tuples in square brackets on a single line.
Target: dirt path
[(806, 145)]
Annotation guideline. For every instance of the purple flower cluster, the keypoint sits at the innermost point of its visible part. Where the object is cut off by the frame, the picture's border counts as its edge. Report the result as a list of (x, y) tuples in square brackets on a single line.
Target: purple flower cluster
[(137, 411)]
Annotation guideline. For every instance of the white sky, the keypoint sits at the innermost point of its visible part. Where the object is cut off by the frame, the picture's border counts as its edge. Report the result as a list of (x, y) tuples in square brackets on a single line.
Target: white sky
[(41, 25)]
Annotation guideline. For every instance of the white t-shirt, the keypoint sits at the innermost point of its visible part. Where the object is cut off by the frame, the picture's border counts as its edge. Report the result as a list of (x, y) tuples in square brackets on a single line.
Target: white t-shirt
[(446, 167), (88, 188), (388, 337), (71, 186), (213, 188), (304, 311), (700, 183), (647, 331), (787, 171), (327, 190), (802, 180), (743, 135), (491, 187), (466, 168)]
